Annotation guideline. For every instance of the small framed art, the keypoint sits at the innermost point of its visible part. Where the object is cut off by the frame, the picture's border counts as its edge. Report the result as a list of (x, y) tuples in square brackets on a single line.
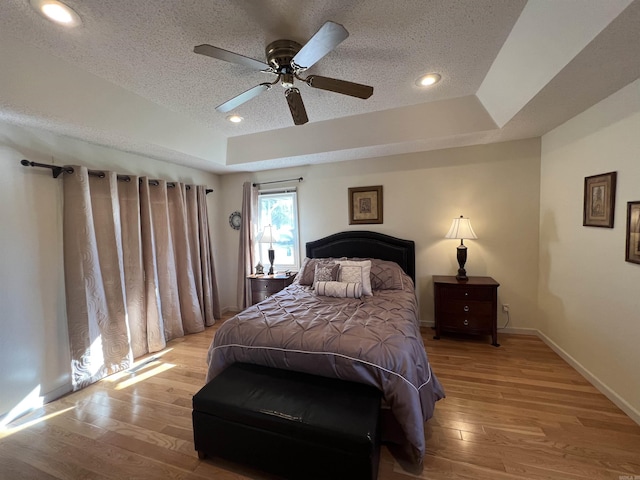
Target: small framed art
[(365, 205), (599, 200), (633, 232)]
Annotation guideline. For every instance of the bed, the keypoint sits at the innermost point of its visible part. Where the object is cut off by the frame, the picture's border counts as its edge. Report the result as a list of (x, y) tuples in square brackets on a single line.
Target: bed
[(374, 339)]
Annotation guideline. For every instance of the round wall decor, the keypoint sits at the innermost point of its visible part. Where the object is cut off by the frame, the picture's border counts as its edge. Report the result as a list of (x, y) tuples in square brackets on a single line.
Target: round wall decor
[(235, 219)]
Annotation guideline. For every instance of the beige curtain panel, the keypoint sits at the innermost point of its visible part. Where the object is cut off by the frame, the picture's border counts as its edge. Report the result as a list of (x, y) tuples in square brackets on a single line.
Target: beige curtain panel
[(138, 269), (246, 254)]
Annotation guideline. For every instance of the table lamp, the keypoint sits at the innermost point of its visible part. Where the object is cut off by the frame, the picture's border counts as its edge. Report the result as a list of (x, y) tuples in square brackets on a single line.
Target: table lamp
[(461, 228)]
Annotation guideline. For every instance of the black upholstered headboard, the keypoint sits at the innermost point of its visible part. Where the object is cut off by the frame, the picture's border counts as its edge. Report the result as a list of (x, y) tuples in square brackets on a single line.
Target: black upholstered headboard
[(365, 244)]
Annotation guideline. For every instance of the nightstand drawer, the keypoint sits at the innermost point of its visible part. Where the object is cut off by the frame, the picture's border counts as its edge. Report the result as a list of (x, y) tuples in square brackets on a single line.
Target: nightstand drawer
[(467, 293), (268, 285), (257, 297), (467, 323), (462, 307)]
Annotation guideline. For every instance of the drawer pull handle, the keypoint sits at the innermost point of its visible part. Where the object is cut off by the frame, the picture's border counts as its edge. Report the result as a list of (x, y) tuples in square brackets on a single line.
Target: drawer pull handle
[(466, 322), (466, 294), (466, 308)]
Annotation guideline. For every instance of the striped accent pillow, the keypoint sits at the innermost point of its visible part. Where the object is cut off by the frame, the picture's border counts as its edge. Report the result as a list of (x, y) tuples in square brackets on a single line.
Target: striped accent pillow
[(339, 289)]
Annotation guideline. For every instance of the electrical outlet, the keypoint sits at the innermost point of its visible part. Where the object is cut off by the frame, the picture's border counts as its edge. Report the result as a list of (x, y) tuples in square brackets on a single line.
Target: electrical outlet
[(505, 307)]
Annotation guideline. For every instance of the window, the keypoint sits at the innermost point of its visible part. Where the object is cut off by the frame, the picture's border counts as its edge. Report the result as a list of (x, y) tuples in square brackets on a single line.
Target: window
[(280, 210)]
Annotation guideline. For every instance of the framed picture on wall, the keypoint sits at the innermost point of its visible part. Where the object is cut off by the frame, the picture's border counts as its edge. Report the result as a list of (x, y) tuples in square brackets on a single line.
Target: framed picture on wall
[(633, 232), (365, 205), (599, 200)]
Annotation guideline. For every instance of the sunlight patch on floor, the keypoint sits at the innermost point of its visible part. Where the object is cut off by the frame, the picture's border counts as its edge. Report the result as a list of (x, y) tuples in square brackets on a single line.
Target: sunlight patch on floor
[(138, 366), (143, 376), (5, 432)]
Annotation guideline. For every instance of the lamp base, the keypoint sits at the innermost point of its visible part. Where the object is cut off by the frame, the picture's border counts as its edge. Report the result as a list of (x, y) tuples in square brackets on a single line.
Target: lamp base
[(271, 259), (462, 259), (462, 275)]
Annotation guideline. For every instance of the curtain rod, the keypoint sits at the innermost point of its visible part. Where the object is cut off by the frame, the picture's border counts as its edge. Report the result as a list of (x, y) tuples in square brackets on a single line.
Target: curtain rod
[(56, 171), (278, 181)]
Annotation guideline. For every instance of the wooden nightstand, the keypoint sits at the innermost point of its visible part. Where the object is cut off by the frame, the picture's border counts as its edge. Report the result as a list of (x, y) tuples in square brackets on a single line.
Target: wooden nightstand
[(266, 285), (466, 307)]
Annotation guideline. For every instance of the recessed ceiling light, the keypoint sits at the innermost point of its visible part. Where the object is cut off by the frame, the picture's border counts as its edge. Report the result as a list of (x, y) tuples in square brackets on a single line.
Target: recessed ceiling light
[(428, 80), (235, 118), (57, 12)]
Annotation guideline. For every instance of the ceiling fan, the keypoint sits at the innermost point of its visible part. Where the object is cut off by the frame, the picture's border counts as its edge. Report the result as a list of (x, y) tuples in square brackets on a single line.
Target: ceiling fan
[(288, 59)]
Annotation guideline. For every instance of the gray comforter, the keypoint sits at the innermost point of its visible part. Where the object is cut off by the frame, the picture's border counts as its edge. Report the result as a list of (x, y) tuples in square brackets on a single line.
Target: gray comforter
[(374, 340)]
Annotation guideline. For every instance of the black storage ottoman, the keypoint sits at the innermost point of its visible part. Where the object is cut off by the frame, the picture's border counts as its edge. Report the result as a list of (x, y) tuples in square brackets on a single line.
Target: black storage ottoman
[(291, 424)]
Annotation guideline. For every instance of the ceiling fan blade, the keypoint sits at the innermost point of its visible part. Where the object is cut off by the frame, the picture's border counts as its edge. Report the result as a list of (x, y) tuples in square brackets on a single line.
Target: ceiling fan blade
[(340, 86), (298, 112), (329, 36), (243, 97), (227, 56)]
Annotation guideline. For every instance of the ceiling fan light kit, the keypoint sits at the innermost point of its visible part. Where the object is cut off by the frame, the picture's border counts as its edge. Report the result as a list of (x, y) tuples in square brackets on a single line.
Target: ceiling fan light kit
[(288, 59)]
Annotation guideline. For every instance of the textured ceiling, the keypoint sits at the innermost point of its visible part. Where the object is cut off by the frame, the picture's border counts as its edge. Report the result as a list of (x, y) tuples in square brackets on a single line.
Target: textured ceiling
[(128, 78)]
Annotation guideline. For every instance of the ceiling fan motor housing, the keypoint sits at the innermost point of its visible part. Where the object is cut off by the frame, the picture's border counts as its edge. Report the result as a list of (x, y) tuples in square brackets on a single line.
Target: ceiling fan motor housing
[(279, 55)]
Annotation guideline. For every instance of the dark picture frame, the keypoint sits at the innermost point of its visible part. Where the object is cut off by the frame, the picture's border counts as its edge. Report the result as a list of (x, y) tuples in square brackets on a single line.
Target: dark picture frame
[(599, 200), (632, 252), (365, 205)]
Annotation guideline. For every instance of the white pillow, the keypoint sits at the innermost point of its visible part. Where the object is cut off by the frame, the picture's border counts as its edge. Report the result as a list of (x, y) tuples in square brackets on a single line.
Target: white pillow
[(356, 272), (339, 289)]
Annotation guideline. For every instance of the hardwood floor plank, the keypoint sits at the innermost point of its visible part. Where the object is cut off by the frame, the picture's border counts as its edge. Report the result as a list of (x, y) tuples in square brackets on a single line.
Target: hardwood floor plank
[(13, 468), (185, 434), (111, 460), (532, 472), (179, 456), (52, 459), (511, 413), (546, 453)]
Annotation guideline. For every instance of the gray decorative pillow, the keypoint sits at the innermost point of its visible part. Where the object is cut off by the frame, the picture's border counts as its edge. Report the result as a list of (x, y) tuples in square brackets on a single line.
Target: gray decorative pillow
[(386, 275), (326, 272), (308, 270)]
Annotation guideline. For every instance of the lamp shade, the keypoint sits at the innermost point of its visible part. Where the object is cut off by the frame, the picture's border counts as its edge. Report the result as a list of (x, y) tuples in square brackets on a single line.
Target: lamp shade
[(461, 228), (267, 235)]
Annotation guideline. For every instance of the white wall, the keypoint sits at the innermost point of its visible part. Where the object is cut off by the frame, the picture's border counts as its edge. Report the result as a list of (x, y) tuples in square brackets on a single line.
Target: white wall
[(588, 293), (34, 349), (497, 186)]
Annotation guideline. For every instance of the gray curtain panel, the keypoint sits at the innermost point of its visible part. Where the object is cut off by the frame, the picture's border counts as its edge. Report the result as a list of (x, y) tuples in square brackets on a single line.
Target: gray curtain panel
[(246, 255), (135, 276), (203, 266), (96, 308), (155, 338)]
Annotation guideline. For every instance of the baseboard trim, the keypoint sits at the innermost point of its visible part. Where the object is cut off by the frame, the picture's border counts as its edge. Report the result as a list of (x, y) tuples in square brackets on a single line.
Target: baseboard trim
[(57, 393), (518, 331), (514, 330), (621, 403)]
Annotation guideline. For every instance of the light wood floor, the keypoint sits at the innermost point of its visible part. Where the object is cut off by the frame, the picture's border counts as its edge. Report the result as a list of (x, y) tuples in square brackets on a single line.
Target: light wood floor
[(513, 412)]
